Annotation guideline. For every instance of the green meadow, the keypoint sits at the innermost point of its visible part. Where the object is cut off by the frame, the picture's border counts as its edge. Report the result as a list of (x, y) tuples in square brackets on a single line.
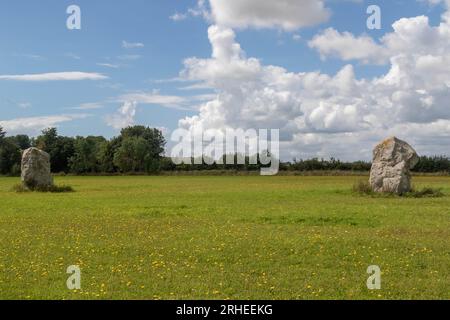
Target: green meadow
[(223, 238)]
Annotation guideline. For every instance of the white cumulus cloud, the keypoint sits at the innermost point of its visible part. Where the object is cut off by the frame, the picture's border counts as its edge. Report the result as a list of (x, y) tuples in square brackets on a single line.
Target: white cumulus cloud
[(287, 15), (334, 115), (348, 47), (284, 14), (124, 117)]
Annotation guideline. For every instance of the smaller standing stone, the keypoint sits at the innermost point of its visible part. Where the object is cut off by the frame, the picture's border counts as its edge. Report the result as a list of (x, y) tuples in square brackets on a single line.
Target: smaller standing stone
[(392, 161), (36, 169)]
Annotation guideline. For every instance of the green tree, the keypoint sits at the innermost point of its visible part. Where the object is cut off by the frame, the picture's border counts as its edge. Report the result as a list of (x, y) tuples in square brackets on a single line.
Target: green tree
[(10, 155), (153, 137), (22, 141), (85, 158), (130, 157), (140, 150), (2, 134), (60, 149), (106, 154)]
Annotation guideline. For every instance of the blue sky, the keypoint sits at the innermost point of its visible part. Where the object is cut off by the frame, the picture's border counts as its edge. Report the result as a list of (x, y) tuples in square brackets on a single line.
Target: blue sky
[(36, 40), (138, 48)]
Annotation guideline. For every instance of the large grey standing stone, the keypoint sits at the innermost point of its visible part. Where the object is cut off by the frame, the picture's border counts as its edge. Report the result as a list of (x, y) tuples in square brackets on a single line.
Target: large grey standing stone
[(392, 161), (36, 169)]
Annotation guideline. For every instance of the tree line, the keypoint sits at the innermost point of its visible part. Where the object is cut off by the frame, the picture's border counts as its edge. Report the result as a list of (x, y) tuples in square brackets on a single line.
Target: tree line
[(140, 149), (136, 149)]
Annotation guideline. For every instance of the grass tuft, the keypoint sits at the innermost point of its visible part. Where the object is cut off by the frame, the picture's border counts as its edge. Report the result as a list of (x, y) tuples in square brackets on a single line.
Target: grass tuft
[(425, 193), (364, 188), (20, 188)]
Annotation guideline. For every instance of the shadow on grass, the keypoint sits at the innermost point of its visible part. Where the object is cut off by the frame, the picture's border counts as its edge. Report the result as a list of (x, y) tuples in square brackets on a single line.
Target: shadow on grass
[(364, 188), (19, 188)]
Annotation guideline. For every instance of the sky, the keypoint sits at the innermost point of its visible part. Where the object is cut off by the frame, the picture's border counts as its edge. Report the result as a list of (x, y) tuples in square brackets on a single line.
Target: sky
[(311, 68)]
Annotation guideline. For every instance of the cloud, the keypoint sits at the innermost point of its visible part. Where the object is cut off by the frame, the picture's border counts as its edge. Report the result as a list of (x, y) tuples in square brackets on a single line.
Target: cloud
[(322, 115), (199, 10), (178, 16), (132, 45), (124, 116), (109, 65), (106, 85), (24, 105), (73, 56), (348, 47), (168, 101), (288, 15), (283, 14), (129, 57), (296, 37), (31, 56), (153, 98), (33, 125), (89, 106), (410, 36), (8, 102), (58, 76), (434, 2)]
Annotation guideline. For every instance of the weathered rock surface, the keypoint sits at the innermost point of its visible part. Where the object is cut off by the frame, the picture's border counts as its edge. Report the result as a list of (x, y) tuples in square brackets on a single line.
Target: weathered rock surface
[(36, 169), (392, 161)]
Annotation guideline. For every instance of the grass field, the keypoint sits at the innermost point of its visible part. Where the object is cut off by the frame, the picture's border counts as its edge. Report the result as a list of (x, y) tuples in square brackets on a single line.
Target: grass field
[(222, 238)]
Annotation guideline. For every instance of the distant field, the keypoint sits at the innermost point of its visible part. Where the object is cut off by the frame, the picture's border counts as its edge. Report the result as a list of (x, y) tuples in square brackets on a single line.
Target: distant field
[(222, 237)]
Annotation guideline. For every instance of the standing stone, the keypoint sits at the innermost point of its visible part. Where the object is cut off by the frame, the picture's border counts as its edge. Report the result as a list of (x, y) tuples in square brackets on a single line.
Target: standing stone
[(36, 169), (392, 161)]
